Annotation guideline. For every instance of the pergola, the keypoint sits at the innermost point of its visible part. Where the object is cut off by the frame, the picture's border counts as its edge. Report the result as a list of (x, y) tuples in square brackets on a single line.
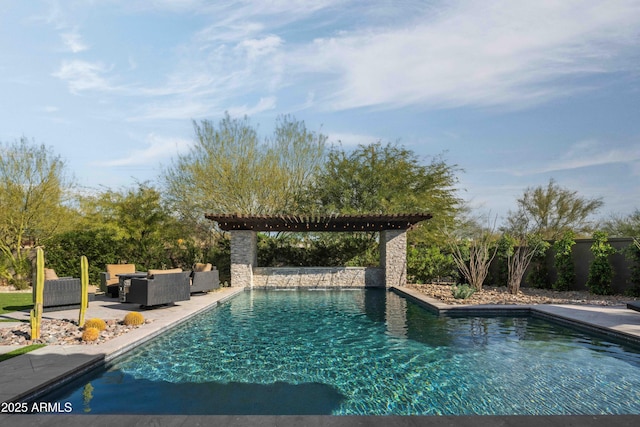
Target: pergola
[(393, 244)]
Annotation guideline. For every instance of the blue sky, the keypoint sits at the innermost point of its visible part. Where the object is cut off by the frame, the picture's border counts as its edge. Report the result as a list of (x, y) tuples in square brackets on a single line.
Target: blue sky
[(513, 92)]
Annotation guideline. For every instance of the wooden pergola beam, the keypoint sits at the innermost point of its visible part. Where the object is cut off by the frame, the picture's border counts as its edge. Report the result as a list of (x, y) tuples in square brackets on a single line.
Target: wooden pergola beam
[(304, 223)]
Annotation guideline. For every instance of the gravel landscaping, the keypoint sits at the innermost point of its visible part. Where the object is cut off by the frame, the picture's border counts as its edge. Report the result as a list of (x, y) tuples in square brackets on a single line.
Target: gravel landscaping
[(500, 295)]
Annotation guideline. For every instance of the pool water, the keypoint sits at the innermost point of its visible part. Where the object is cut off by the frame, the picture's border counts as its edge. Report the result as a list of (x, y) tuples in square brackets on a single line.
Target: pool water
[(364, 352)]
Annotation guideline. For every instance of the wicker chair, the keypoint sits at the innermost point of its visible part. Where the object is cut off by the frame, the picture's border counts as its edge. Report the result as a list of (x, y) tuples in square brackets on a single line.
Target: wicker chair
[(204, 281), (160, 289), (109, 279), (60, 293)]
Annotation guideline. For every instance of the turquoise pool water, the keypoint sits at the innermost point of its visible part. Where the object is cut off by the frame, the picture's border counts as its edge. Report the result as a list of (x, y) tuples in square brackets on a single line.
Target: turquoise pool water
[(362, 352)]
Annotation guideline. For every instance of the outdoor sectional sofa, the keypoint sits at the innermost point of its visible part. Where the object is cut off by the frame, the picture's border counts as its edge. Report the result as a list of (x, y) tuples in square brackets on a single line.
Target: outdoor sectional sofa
[(204, 278), (60, 293), (160, 287)]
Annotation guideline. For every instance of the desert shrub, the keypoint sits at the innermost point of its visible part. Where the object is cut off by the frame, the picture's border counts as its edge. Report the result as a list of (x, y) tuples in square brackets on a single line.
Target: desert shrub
[(100, 246), (428, 263), (463, 291), (538, 276), (600, 270), (99, 324), (134, 318), (564, 262), (90, 334)]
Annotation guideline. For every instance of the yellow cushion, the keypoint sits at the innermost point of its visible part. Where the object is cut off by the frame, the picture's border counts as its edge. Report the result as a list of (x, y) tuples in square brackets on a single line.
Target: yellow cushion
[(50, 274), (198, 266), (115, 269)]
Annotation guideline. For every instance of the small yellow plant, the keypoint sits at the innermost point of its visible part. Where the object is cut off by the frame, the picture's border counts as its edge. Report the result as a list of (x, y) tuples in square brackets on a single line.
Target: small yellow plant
[(90, 334), (133, 318), (99, 324)]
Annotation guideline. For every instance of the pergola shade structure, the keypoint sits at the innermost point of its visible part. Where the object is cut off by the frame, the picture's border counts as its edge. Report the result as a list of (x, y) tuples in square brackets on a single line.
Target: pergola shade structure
[(393, 249), (304, 223)]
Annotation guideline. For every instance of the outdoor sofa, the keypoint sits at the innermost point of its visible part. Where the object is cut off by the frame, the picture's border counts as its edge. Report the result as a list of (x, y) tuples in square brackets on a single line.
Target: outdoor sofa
[(160, 287), (204, 278), (60, 293)]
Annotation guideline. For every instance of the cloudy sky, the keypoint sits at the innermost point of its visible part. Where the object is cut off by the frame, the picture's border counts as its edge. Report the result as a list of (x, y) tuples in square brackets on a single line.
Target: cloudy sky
[(513, 92)]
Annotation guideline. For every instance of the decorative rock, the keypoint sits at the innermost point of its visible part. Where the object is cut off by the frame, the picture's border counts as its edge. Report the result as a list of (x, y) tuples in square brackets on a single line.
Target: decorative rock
[(499, 295), (59, 332)]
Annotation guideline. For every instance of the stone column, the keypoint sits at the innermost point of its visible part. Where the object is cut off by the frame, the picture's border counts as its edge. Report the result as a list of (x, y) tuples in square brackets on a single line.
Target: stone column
[(244, 256), (393, 257)]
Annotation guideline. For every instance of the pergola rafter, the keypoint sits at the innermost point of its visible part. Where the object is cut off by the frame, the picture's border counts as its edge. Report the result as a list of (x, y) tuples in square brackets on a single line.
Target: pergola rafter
[(305, 223)]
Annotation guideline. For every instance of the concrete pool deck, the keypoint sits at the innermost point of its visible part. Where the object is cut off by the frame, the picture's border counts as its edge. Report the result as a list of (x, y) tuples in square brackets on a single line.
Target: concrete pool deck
[(34, 373)]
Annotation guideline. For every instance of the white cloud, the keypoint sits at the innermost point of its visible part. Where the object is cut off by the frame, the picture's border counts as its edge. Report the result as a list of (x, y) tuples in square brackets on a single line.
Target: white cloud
[(585, 154), (592, 153), (256, 48), (82, 75), (264, 104), (489, 53), (73, 42), (444, 54), (158, 148)]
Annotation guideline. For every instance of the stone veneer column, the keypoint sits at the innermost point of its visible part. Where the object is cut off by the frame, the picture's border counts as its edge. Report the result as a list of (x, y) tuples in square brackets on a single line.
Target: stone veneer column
[(244, 256), (393, 257)]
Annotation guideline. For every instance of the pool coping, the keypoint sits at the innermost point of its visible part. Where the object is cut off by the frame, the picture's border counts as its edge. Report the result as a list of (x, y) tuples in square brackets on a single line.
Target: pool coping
[(86, 358)]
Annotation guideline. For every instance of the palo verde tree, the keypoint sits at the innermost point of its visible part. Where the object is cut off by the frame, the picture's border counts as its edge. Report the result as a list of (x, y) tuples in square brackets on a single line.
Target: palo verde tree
[(623, 226), (33, 188), (230, 169), (554, 210)]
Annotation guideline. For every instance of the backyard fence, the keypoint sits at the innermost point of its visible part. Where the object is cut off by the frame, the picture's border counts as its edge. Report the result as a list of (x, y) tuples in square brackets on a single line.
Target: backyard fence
[(582, 259)]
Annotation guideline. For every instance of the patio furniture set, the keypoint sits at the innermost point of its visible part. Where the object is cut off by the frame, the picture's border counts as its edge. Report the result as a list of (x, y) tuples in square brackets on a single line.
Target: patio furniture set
[(151, 288)]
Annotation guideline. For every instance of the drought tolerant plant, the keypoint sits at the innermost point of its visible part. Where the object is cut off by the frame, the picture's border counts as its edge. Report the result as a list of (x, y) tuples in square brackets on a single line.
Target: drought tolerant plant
[(133, 318), (600, 270), (84, 281), (38, 292), (90, 334), (474, 254), (538, 276), (462, 291), (564, 262), (632, 253), (519, 256), (99, 324), (428, 263)]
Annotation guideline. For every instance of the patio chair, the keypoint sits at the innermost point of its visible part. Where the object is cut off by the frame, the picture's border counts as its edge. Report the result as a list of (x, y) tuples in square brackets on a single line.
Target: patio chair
[(204, 278), (109, 279), (60, 293), (160, 287)]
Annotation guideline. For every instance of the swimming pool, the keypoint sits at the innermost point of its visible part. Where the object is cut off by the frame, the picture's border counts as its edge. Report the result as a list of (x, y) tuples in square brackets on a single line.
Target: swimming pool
[(364, 352)]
